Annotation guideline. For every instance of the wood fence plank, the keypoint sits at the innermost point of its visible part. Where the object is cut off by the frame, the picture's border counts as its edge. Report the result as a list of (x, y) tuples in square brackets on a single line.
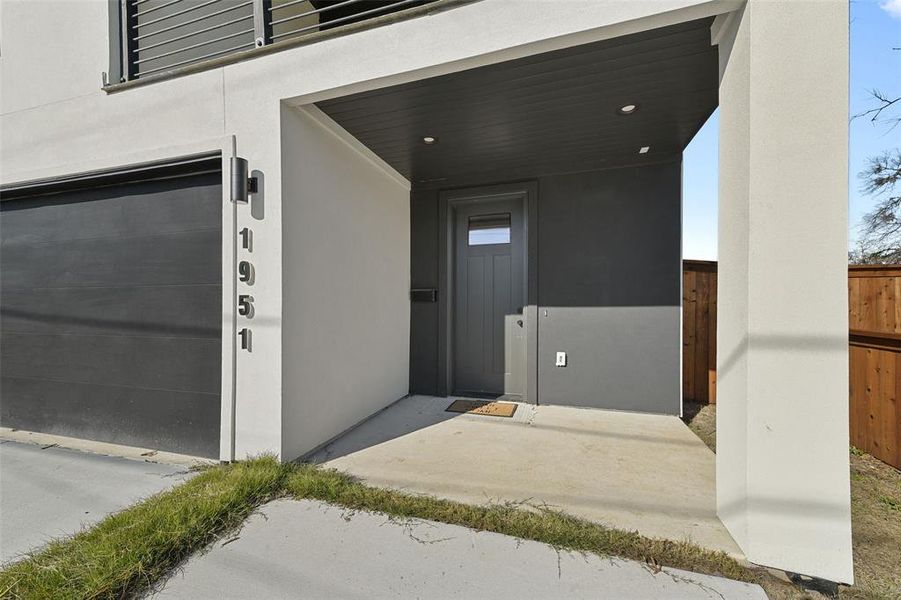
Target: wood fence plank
[(859, 418), (874, 388), (875, 426), (868, 291), (887, 424), (863, 400), (711, 341), (854, 318), (702, 313), (686, 381), (895, 411), (888, 299), (896, 284), (877, 322), (688, 334)]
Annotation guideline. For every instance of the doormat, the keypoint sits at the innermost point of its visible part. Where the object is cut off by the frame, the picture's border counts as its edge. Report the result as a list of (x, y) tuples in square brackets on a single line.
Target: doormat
[(482, 407)]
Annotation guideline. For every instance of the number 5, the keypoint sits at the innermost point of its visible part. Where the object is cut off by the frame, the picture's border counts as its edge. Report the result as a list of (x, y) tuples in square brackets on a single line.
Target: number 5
[(245, 305)]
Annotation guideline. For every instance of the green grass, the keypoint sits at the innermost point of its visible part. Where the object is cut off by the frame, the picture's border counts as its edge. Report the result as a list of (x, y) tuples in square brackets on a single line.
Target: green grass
[(891, 503), (526, 522), (131, 551)]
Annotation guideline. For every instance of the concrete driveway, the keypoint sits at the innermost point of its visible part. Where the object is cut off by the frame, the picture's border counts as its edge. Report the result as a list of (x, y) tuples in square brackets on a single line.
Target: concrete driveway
[(51, 492), (309, 549)]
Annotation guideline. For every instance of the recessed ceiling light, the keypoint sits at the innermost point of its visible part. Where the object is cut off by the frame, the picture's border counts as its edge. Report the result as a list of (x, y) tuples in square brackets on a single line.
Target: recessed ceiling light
[(627, 109), (644, 149), (429, 140)]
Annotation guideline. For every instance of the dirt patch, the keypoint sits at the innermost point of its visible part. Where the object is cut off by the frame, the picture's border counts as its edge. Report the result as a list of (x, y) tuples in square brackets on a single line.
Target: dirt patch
[(701, 418), (875, 515), (875, 528)]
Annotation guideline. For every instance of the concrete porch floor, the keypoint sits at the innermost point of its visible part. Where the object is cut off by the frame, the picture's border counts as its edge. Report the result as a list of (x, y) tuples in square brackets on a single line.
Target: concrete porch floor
[(639, 472)]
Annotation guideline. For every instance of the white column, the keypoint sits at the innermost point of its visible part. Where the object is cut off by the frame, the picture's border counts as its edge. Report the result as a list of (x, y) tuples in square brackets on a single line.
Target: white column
[(782, 460)]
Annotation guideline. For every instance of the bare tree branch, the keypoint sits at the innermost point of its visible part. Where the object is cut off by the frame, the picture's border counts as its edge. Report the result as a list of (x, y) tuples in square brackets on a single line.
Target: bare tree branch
[(880, 239), (875, 114)]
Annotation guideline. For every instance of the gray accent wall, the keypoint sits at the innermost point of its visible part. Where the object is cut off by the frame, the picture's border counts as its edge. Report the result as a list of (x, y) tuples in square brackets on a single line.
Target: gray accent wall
[(609, 287)]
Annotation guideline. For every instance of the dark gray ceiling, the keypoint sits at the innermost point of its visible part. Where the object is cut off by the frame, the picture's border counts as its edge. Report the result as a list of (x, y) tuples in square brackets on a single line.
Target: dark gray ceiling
[(543, 114)]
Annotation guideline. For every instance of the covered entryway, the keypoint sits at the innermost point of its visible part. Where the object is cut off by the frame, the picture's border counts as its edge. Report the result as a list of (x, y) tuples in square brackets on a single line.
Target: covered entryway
[(595, 117), (590, 138), (111, 297)]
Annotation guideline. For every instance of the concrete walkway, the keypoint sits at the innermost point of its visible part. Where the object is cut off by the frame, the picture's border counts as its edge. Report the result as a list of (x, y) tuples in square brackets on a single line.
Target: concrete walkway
[(52, 492), (639, 472), (312, 550)]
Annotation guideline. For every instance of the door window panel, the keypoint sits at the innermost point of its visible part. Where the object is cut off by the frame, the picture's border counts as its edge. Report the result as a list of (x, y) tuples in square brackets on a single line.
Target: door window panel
[(489, 229)]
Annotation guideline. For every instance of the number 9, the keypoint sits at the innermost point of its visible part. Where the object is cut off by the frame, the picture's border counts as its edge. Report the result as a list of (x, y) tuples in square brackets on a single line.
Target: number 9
[(245, 272)]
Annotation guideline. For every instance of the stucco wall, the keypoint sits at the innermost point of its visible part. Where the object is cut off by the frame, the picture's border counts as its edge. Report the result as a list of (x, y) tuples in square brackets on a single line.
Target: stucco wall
[(345, 283), (782, 348)]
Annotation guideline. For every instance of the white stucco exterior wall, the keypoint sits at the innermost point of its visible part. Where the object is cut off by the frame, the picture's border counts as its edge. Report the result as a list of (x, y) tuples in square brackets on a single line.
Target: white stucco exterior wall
[(345, 284), (783, 485)]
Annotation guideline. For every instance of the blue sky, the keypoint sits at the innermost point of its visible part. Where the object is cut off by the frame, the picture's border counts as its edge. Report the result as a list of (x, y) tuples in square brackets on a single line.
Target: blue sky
[(875, 30)]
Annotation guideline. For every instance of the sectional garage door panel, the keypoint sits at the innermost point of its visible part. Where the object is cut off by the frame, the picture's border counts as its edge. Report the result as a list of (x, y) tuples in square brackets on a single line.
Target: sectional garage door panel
[(166, 363), (140, 261), (178, 310), (110, 313), (99, 212), (122, 415)]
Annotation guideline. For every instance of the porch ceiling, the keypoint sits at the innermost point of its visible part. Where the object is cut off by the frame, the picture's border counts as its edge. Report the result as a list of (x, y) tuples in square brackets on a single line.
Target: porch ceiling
[(548, 113)]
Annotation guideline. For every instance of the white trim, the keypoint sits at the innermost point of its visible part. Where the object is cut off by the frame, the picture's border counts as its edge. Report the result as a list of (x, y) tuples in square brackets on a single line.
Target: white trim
[(120, 161), (721, 25), (228, 368), (335, 129), (671, 13), (679, 350)]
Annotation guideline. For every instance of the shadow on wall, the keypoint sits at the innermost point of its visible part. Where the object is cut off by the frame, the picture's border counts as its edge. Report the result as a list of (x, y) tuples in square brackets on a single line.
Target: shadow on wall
[(258, 200)]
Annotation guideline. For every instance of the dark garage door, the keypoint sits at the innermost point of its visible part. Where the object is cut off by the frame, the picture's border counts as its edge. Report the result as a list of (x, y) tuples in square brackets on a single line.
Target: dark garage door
[(110, 309)]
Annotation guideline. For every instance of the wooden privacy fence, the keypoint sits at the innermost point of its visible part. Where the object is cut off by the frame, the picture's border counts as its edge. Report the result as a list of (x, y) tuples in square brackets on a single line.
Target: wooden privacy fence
[(699, 331), (874, 337), (874, 320)]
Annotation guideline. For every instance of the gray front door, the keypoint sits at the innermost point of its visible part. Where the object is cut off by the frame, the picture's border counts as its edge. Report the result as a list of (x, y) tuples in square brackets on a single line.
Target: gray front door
[(489, 285)]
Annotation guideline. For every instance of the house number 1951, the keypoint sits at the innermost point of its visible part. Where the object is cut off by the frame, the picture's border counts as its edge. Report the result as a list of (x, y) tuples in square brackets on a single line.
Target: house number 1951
[(245, 276)]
